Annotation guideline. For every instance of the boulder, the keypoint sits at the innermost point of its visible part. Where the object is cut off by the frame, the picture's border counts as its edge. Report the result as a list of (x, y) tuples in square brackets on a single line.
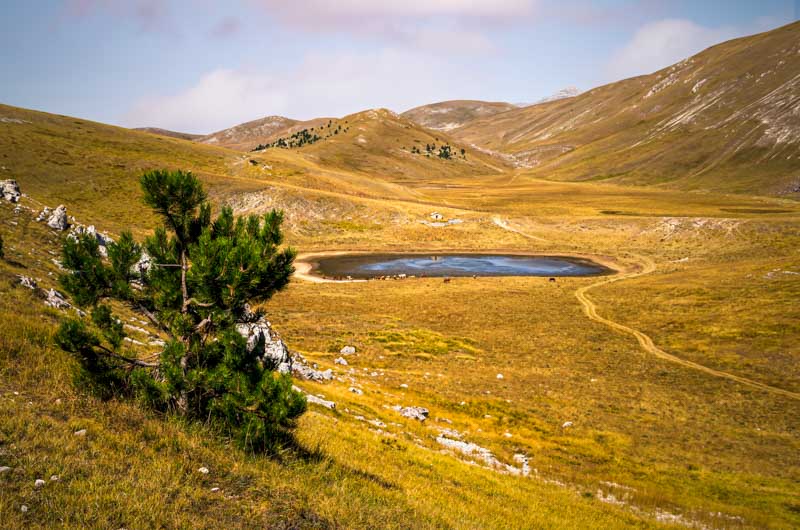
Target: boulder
[(348, 350), (102, 239), (56, 300), (25, 281), (142, 266), (414, 413), (58, 220), (340, 360), (265, 343), (10, 190)]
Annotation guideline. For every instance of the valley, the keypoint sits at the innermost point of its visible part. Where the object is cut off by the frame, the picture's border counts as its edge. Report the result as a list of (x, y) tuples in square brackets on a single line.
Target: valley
[(666, 395)]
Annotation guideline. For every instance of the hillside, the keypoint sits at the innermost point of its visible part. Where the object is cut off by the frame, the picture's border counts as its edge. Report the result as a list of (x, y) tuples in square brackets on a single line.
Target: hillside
[(726, 119), (449, 115), (171, 134), (580, 430), (246, 136)]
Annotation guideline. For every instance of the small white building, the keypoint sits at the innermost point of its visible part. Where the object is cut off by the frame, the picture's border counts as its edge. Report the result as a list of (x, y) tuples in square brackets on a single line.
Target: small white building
[(436, 216)]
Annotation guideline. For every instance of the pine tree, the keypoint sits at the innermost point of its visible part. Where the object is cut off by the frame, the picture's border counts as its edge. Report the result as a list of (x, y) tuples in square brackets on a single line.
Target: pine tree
[(203, 276)]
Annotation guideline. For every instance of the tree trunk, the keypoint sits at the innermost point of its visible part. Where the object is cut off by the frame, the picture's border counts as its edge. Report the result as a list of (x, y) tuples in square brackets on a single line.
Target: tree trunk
[(183, 400)]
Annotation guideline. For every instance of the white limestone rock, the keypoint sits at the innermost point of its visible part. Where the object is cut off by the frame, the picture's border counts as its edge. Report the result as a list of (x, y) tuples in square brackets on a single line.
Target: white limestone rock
[(10, 190), (58, 220)]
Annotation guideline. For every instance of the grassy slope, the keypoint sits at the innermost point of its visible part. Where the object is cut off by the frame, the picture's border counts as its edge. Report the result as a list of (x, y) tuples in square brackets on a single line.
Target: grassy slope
[(679, 127), (685, 443), (448, 115)]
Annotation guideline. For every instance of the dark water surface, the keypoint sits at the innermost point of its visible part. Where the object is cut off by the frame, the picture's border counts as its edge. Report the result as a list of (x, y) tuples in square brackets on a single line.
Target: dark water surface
[(439, 265)]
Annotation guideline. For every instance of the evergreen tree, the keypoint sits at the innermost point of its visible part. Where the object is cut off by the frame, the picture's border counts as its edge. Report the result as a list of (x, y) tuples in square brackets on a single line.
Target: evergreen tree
[(204, 274)]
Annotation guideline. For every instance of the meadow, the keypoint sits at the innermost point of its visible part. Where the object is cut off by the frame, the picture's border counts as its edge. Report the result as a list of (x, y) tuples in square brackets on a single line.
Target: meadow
[(614, 437)]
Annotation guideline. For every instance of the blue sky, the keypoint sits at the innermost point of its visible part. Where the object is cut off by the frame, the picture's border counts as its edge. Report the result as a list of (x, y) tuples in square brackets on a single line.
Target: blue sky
[(203, 65)]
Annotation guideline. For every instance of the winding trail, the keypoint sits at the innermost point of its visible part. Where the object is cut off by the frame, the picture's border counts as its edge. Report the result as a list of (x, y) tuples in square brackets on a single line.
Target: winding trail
[(647, 344)]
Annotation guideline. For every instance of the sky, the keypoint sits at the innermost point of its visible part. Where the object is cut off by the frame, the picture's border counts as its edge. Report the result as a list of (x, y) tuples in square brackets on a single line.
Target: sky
[(203, 65)]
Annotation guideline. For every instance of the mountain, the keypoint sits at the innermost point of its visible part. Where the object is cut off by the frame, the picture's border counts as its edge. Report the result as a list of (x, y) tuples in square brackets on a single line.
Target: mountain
[(388, 146), (171, 134), (449, 115), (568, 92), (247, 136), (726, 119)]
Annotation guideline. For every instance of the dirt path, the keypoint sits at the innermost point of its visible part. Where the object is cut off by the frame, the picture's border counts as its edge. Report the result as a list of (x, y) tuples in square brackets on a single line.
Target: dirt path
[(644, 340), (505, 226)]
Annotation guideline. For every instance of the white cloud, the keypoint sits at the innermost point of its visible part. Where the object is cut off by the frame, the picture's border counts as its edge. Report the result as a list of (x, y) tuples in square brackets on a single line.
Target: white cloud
[(323, 84), (659, 44), (354, 10)]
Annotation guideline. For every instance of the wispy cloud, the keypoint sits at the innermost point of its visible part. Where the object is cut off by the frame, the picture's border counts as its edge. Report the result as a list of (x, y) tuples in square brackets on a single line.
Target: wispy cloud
[(659, 44), (320, 85)]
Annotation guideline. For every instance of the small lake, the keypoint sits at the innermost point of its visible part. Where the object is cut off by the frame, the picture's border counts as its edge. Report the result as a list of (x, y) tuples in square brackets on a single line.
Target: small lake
[(440, 265)]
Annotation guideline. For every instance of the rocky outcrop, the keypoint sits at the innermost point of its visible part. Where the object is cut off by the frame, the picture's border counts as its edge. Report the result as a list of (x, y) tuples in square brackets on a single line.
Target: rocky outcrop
[(414, 413), (58, 220), (10, 190), (265, 342), (102, 239)]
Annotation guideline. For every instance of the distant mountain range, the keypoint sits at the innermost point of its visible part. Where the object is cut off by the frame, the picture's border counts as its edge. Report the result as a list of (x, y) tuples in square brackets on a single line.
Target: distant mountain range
[(726, 119)]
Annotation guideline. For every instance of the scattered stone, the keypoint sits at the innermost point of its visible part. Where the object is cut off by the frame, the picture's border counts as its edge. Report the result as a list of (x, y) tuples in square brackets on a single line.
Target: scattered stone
[(58, 221), (322, 402), (4, 469), (404, 386), (507, 434), (415, 413), (56, 300), (24, 508), (25, 281), (348, 350), (203, 470), (214, 490), (39, 483), (81, 432), (10, 190), (566, 424), (44, 214), (355, 390), (340, 360), (499, 376), (53, 478)]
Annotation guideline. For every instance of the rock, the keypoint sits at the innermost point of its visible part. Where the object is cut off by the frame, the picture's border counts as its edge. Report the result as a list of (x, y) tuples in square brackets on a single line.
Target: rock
[(102, 239), (265, 342), (142, 266), (507, 434), (303, 371), (404, 386), (415, 413), (53, 478), (355, 390), (24, 281), (566, 424), (348, 350), (10, 190), (341, 361), (4, 469), (39, 483), (56, 300), (44, 214), (24, 508), (58, 220), (499, 376), (317, 400), (214, 490), (81, 432), (203, 470)]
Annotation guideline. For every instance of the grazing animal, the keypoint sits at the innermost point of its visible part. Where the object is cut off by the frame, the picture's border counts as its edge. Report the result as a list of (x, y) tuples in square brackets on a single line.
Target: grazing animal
[(447, 280), (552, 279)]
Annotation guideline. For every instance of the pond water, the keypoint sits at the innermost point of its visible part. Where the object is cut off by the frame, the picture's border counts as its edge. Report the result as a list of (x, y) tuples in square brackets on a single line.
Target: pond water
[(441, 265)]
